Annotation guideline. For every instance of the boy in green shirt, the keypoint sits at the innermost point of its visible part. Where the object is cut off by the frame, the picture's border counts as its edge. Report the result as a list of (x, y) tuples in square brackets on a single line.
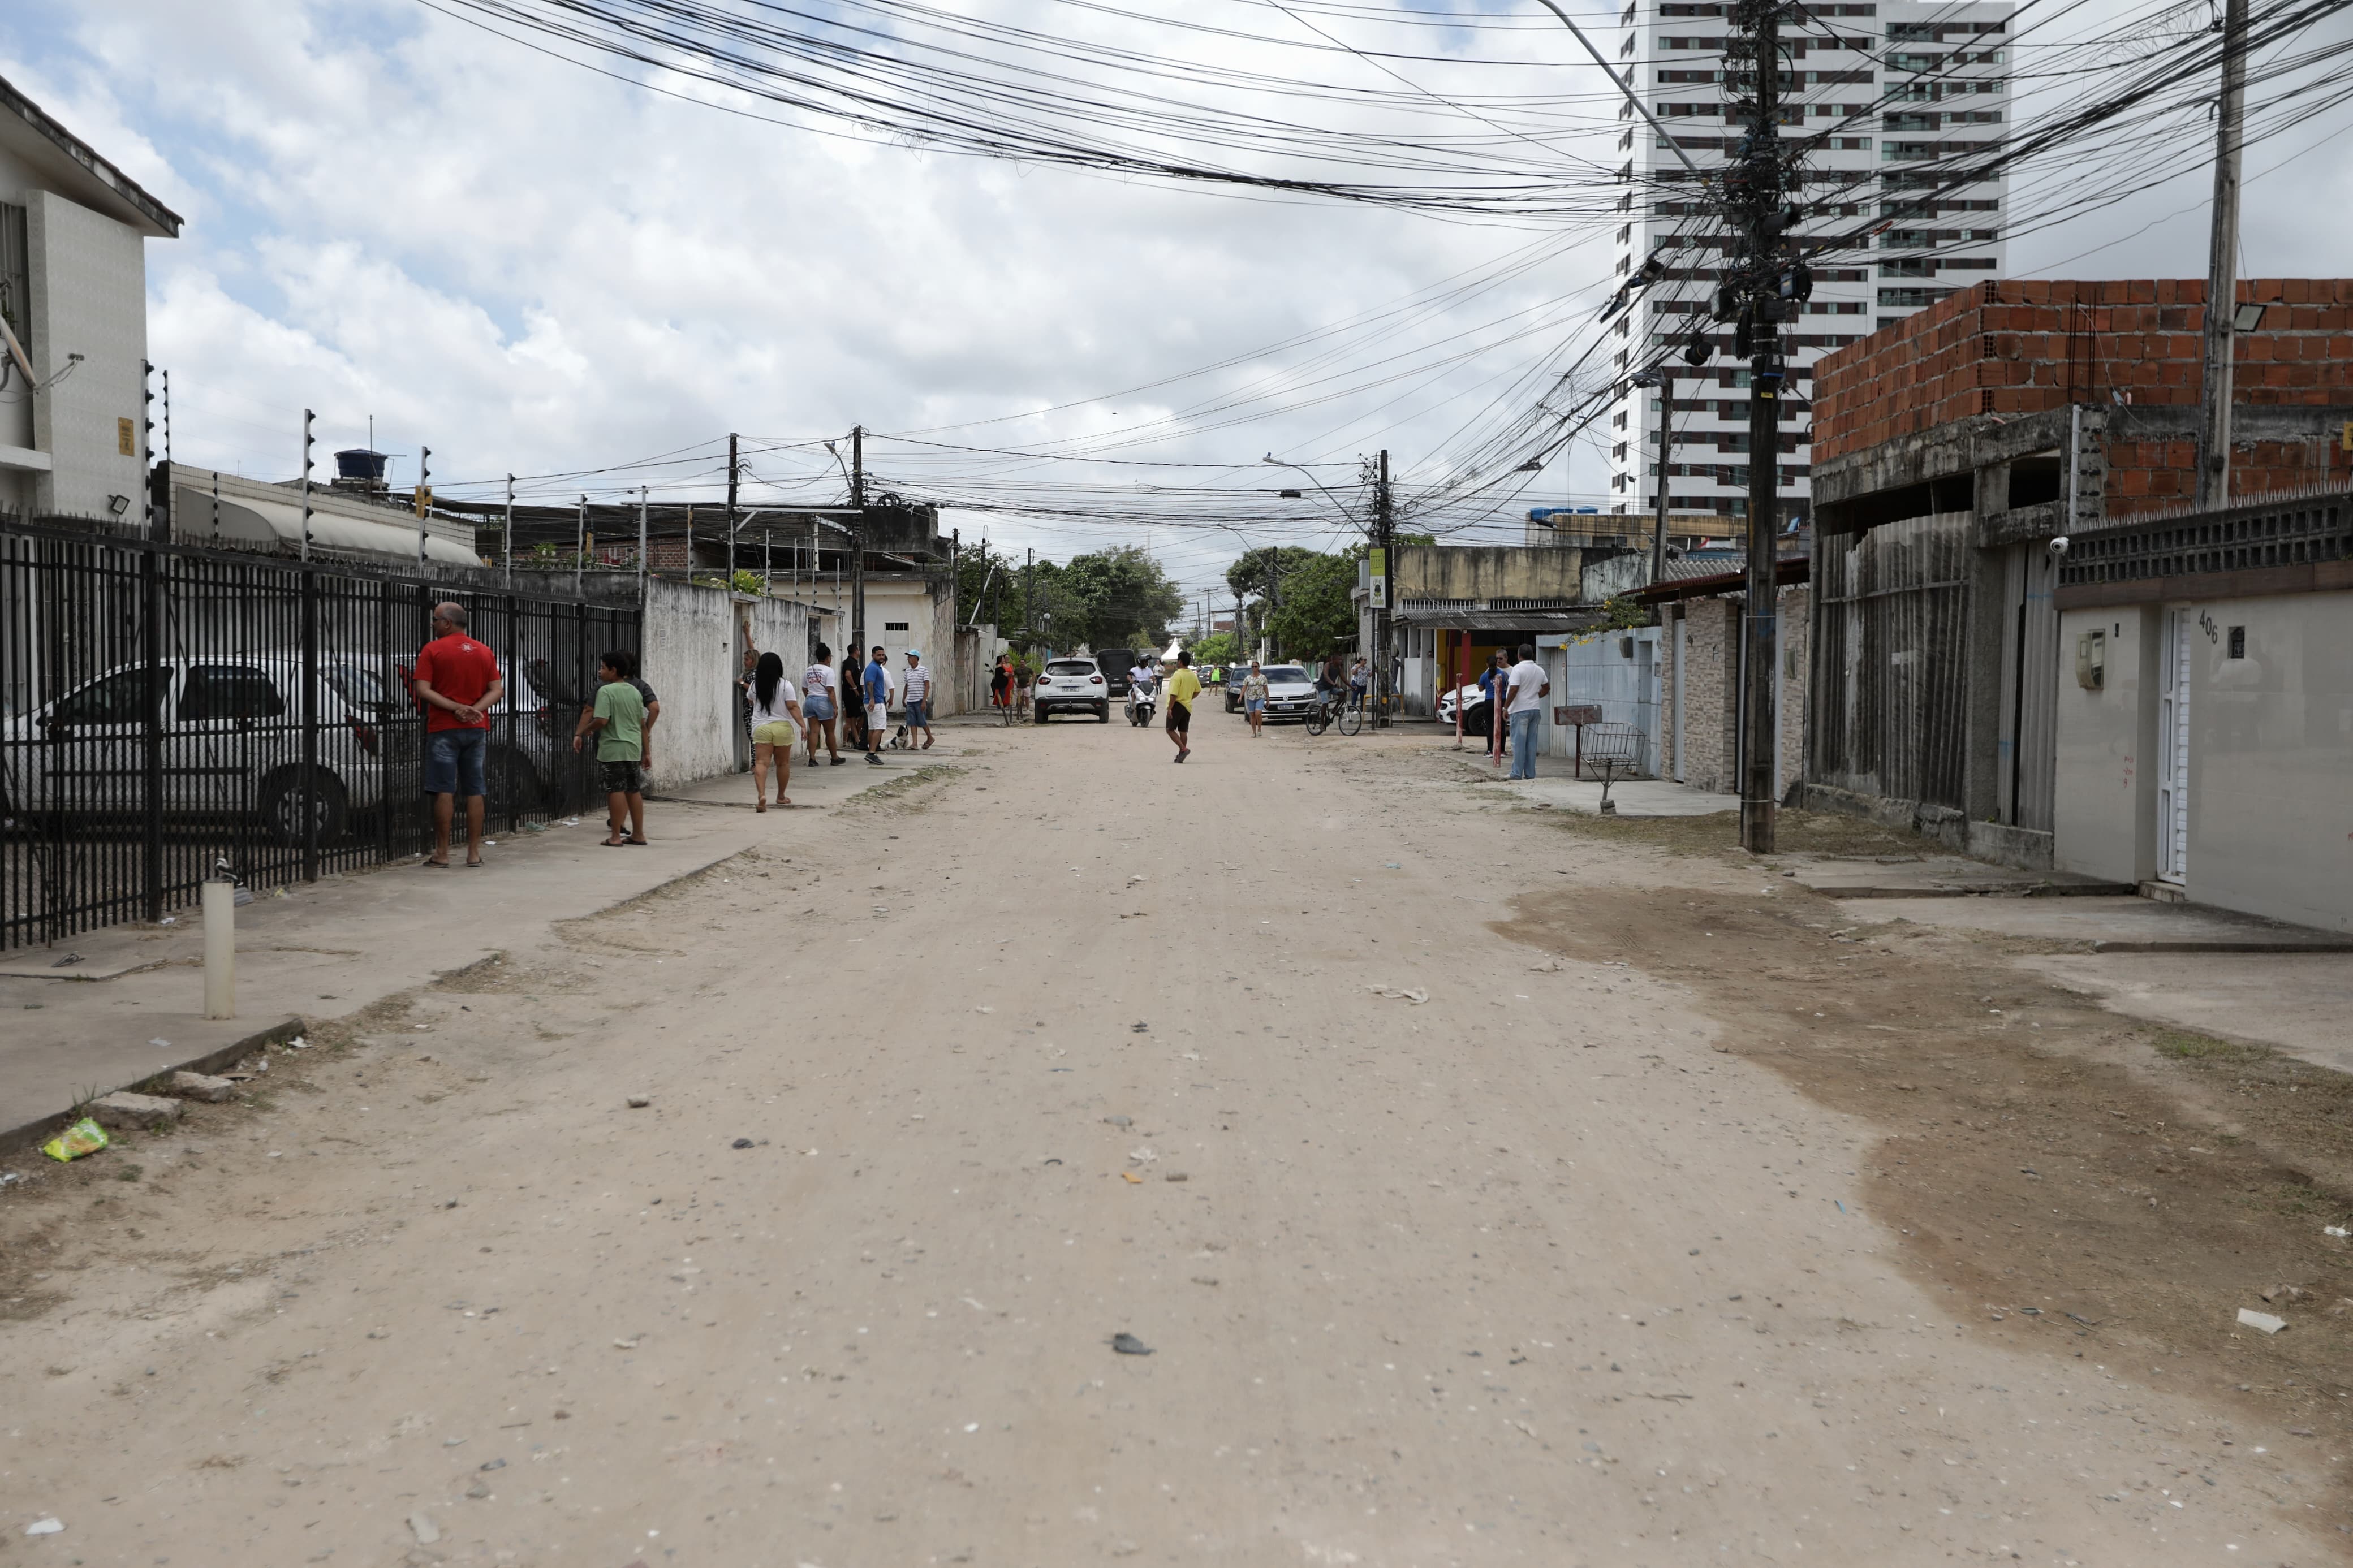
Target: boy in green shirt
[(618, 720)]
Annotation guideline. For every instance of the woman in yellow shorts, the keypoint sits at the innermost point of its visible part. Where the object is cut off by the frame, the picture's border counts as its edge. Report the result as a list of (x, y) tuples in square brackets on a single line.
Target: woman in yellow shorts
[(775, 725)]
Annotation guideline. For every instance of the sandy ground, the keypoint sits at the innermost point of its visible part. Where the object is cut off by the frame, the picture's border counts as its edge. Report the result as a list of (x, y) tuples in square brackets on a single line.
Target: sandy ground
[(1603, 1254)]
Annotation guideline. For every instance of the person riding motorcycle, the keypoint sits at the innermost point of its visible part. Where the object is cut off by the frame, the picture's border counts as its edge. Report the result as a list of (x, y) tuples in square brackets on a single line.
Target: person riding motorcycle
[(1141, 680)]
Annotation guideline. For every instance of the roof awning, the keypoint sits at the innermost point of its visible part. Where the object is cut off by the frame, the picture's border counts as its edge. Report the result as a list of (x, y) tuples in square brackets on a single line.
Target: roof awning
[(267, 524), (1787, 570)]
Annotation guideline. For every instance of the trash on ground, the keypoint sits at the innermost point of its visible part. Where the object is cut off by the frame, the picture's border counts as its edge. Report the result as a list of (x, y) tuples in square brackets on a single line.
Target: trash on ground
[(1175, 1176), (2262, 1320), (624, 1344), (741, 1144), (299, 1043), (2284, 1293), (1392, 865), (639, 1101), (1144, 1156), (70, 958), (1131, 1176), (7, 1177), (160, 1044), (45, 1527), (1128, 1344), (493, 1465), (2335, 1230), (1138, 1027), (1417, 995), (84, 1137), (1119, 1121)]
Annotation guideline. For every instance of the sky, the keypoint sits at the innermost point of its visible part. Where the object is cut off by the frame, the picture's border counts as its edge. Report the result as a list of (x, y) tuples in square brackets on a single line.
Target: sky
[(393, 216)]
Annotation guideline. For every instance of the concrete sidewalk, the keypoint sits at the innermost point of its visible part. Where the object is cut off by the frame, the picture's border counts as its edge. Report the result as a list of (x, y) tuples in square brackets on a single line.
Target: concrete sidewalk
[(132, 1006), (1556, 787)]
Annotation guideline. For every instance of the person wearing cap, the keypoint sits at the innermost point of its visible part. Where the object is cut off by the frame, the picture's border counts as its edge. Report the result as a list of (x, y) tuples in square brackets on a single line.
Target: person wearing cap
[(919, 698)]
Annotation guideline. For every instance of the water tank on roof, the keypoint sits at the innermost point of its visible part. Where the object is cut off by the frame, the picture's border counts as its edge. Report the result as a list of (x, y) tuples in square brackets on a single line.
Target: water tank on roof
[(361, 465)]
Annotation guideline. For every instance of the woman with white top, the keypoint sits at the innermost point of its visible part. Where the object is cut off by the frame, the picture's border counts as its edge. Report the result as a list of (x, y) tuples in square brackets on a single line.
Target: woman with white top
[(775, 725), (818, 684)]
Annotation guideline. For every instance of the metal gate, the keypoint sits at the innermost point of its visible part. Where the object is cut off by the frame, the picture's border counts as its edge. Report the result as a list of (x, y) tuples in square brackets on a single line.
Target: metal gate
[(166, 708), (1886, 713), (2173, 748), (2027, 778)]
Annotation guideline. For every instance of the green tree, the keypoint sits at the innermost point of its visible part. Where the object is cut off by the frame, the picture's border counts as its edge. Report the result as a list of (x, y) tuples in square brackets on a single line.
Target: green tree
[(1255, 579), (1125, 598), (1315, 613), (1218, 647)]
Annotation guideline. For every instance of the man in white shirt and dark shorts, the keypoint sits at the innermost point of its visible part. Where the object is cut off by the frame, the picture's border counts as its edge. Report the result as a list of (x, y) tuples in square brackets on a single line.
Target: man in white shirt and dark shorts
[(918, 699)]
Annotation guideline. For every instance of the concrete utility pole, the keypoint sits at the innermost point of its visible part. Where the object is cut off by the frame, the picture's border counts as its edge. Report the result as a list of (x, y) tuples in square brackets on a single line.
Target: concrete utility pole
[(1384, 617), (734, 521), (1665, 382), (643, 492), (579, 547), (1758, 294), (506, 534), (306, 417), (858, 541), (2223, 264)]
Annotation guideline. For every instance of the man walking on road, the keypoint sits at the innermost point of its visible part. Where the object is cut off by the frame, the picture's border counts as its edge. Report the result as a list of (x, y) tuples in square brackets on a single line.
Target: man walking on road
[(878, 705), (1183, 687), (457, 680), (1524, 699), (918, 699)]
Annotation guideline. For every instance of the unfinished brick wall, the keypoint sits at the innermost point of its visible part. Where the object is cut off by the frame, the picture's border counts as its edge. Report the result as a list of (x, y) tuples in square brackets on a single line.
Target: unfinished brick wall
[(2024, 347)]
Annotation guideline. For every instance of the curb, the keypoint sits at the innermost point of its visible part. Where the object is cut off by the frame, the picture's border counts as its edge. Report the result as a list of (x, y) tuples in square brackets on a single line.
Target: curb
[(31, 1134)]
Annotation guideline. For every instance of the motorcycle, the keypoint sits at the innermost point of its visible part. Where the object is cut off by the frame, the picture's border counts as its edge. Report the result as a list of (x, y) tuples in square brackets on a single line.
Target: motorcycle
[(1140, 703)]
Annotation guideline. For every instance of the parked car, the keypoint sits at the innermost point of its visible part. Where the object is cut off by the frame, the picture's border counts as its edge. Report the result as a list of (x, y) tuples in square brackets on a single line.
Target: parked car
[(1290, 691), (1114, 663), (233, 745), (1068, 684)]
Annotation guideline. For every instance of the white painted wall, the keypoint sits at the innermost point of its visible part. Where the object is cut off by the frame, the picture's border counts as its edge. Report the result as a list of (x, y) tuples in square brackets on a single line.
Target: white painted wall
[(1617, 669), (90, 297)]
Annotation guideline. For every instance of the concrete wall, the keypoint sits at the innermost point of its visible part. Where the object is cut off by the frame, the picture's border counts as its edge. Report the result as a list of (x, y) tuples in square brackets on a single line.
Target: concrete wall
[(90, 297), (2271, 749), (2104, 809), (1710, 720), (1488, 572)]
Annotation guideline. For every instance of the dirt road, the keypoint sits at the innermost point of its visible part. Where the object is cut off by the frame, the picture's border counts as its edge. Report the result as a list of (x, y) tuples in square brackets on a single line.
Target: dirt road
[(1057, 1042)]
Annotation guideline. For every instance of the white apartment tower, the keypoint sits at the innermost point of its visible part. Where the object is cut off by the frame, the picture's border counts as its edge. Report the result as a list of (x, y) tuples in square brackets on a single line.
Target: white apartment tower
[(1894, 90)]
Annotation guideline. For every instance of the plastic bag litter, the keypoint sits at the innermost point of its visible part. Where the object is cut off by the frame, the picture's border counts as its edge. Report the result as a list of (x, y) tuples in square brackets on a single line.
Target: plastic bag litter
[(84, 1137)]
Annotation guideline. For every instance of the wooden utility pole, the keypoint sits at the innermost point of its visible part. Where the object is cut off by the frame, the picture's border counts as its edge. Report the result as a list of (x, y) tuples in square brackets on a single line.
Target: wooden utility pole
[(858, 541), (1769, 279), (2223, 264)]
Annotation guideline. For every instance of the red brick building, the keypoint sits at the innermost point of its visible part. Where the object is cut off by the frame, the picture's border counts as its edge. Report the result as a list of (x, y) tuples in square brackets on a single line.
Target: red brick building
[(1998, 350)]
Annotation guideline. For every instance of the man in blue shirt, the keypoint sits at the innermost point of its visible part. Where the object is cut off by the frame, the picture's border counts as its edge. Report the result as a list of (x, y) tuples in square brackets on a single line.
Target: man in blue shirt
[(878, 705)]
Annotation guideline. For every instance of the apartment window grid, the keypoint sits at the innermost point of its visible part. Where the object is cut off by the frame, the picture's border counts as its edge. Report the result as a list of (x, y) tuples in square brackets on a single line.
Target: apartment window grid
[(1896, 87)]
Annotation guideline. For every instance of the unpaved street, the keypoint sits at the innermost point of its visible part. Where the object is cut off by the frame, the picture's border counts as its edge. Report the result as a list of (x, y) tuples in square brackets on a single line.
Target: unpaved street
[(1581, 1260)]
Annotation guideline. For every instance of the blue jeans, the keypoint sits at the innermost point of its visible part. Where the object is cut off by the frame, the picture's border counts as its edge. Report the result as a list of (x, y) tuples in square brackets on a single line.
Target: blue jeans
[(1524, 743)]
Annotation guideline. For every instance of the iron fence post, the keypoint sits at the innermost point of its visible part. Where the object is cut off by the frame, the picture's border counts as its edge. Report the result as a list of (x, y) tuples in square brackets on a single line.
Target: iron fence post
[(150, 637), (310, 724)]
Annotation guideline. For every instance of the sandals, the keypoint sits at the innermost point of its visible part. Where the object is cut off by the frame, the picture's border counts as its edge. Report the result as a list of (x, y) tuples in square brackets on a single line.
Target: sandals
[(611, 843)]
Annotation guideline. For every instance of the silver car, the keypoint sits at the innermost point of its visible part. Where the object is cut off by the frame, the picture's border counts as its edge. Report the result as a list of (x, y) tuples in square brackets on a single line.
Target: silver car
[(1290, 691)]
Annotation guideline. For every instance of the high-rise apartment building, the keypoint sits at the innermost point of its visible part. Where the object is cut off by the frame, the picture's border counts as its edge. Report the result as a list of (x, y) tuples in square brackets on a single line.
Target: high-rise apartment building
[(1887, 94)]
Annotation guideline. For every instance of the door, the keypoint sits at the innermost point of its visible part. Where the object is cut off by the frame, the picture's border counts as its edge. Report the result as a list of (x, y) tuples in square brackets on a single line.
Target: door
[(2173, 748)]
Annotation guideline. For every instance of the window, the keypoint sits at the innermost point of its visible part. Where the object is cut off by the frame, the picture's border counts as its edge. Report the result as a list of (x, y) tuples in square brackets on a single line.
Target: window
[(15, 275), (894, 625), (114, 699), (229, 691), (2237, 643)]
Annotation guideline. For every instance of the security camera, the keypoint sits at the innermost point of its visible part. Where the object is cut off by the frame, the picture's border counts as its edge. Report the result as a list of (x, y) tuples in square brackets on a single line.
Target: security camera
[(2059, 545)]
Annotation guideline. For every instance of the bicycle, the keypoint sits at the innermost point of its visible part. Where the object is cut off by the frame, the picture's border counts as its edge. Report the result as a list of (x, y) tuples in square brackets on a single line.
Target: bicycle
[(1352, 715), (1328, 706)]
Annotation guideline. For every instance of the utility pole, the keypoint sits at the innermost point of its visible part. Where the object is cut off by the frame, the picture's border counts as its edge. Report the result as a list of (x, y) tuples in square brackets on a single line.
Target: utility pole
[(643, 491), (579, 546), (306, 417), (1757, 296), (1664, 380), (732, 520), (506, 533), (424, 499), (858, 541), (2223, 264), (1385, 558), (1028, 597)]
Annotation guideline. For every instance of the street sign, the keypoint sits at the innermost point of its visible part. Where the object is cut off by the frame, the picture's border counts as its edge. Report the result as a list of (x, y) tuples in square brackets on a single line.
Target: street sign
[(1380, 569)]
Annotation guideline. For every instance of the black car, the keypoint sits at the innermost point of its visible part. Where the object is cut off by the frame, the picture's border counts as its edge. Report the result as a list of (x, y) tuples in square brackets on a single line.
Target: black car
[(1115, 663)]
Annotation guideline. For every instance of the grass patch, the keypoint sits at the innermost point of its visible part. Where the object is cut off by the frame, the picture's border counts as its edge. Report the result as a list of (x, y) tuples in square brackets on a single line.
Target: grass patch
[(2184, 1047)]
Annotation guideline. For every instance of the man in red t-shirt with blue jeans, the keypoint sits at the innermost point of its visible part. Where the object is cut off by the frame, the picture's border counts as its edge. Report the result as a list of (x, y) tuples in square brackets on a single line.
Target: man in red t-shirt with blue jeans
[(457, 681)]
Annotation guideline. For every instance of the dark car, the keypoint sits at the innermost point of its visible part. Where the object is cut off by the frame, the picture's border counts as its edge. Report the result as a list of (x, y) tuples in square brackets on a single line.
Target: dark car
[(1115, 663)]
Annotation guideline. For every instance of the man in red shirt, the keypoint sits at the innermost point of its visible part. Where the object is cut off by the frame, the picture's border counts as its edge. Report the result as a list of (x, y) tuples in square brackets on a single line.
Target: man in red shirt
[(457, 681)]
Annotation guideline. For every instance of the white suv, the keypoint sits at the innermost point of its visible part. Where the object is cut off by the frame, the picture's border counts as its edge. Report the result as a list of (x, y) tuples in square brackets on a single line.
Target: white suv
[(1068, 684)]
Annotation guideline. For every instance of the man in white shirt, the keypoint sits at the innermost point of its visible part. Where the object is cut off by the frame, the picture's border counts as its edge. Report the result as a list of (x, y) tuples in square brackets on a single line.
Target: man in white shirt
[(918, 699), (1523, 702)]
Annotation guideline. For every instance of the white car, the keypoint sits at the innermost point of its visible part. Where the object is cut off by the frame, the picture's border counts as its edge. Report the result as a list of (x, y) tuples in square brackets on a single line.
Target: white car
[(1068, 685), (1290, 690), (232, 746)]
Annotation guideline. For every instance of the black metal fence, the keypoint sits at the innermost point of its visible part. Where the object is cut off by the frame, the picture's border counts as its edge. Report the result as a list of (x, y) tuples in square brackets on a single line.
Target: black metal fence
[(165, 707)]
